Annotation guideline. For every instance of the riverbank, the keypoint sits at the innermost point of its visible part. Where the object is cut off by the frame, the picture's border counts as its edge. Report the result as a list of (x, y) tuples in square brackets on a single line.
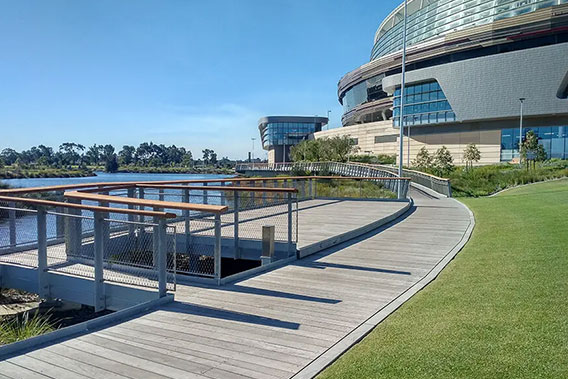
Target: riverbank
[(177, 170), (11, 172)]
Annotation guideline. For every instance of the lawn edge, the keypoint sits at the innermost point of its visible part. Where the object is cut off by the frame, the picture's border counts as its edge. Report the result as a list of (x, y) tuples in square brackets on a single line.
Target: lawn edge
[(356, 335)]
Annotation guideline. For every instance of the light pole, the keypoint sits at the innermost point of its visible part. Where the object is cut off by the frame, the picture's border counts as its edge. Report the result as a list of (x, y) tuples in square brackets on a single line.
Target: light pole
[(401, 136), (521, 100), (328, 112), (252, 158)]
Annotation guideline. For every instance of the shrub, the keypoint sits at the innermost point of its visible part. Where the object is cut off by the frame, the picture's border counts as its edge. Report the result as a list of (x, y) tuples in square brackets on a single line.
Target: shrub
[(443, 162), (471, 154), (423, 161)]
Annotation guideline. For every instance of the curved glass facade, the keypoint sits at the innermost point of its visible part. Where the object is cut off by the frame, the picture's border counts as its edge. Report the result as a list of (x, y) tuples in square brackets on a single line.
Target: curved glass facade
[(287, 133), (425, 103), (444, 16), (364, 92)]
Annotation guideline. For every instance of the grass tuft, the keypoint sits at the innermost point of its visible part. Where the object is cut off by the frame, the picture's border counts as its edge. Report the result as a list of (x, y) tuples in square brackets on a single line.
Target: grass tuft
[(21, 327)]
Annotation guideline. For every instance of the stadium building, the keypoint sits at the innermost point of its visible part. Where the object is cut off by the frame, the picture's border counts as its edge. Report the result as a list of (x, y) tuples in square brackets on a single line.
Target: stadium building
[(469, 62)]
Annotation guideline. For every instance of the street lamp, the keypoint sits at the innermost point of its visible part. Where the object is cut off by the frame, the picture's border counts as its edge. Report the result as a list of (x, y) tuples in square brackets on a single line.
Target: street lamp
[(328, 112), (401, 136), (521, 100), (252, 158)]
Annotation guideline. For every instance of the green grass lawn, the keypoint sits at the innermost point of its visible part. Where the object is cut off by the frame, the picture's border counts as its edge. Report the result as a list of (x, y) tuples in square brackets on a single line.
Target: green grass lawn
[(500, 308)]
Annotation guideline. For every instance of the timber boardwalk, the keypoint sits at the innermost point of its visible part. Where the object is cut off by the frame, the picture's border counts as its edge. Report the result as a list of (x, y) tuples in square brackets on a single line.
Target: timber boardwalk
[(288, 322)]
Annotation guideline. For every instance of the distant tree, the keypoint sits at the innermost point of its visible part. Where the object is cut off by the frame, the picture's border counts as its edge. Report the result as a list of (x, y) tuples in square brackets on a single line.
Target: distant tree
[(187, 160), (471, 154), (111, 163), (94, 154), (70, 152), (126, 155), (424, 160), (207, 155), (9, 156), (213, 158), (443, 161), (1, 162)]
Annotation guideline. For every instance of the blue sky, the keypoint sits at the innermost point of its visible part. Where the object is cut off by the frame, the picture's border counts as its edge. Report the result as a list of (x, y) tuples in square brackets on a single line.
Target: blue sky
[(192, 73)]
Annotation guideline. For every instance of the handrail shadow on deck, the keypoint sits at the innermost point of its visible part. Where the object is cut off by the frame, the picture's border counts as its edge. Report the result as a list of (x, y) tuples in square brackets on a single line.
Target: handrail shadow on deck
[(206, 311)]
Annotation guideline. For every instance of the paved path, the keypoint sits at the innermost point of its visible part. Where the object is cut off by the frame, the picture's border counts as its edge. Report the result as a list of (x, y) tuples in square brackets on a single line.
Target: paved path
[(286, 322)]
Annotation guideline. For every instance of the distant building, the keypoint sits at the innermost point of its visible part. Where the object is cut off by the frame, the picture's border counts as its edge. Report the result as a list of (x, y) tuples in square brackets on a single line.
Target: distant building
[(468, 64), (279, 133)]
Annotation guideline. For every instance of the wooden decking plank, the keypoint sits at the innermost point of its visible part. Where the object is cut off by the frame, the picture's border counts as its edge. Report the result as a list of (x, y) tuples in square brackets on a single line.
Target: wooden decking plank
[(132, 360), (172, 362), (230, 335), (14, 371), (110, 365), (306, 330), (223, 346), (81, 368), (44, 368), (204, 322), (182, 352)]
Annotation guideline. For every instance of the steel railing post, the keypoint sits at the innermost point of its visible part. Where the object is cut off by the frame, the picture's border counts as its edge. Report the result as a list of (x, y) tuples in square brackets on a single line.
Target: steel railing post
[(217, 248), (43, 285), (162, 257), (311, 188), (155, 240), (140, 217), (205, 194), (106, 227), (12, 222), (99, 245), (161, 194), (263, 193), (186, 218), (236, 224), (252, 194), (74, 232), (131, 194), (289, 223), (59, 219), (223, 195)]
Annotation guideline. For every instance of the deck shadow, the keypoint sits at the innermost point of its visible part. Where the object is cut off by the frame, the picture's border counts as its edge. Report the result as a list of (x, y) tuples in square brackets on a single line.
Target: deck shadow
[(265, 292), (324, 265), (205, 311)]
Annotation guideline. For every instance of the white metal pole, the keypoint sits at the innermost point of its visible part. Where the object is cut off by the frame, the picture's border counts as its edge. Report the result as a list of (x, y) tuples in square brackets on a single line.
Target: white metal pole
[(401, 126), (521, 129)]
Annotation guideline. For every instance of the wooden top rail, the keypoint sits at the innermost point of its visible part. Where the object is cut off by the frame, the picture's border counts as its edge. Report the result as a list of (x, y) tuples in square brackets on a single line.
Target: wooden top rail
[(93, 208), (109, 186), (147, 203), (220, 188), (61, 187)]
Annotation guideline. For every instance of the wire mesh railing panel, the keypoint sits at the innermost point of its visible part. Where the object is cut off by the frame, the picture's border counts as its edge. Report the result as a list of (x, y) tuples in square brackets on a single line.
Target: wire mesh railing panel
[(198, 256), (131, 253), (254, 214), (18, 235), (74, 253)]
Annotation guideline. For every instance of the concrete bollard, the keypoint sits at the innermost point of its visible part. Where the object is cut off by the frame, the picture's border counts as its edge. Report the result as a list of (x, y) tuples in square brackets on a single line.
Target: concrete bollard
[(267, 244)]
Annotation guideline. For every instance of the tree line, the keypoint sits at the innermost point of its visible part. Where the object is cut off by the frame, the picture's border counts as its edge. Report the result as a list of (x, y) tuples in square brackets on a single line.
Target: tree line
[(74, 154)]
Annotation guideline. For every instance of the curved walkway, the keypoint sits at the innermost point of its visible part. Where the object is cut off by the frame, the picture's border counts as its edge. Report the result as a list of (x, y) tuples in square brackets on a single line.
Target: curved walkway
[(289, 322)]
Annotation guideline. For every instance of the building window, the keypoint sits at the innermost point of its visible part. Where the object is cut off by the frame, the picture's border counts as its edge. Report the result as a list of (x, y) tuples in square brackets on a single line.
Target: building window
[(287, 133), (425, 103), (554, 139), (388, 138), (354, 141)]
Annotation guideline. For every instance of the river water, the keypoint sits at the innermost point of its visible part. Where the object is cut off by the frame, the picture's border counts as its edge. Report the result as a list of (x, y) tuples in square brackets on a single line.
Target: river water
[(26, 225), (106, 177)]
